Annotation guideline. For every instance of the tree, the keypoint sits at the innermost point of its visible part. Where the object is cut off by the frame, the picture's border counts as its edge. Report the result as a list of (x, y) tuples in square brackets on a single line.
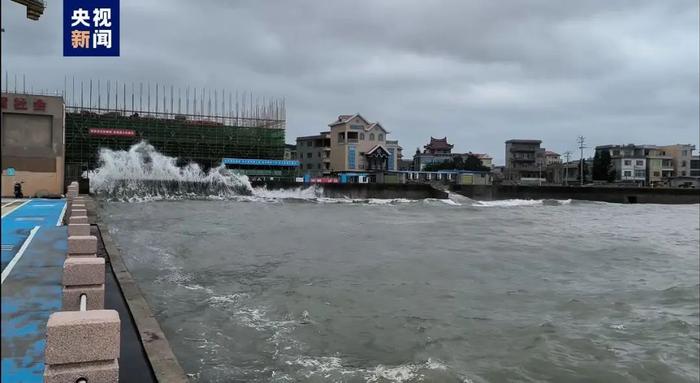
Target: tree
[(472, 163), (602, 166)]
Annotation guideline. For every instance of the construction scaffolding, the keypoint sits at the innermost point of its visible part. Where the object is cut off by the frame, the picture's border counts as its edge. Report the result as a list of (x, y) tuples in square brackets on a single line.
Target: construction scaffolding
[(202, 125), (190, 138)]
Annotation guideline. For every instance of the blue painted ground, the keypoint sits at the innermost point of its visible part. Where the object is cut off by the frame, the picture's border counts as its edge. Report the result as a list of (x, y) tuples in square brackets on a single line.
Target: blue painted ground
[(32, 290)]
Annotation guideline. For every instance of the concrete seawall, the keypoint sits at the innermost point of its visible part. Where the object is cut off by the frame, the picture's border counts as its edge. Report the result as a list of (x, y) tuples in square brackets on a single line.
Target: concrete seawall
[(603, 194), (363, 191)]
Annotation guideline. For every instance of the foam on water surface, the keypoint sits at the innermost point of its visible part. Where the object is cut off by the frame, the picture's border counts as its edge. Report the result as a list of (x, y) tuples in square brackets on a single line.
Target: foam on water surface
[(142, 174)]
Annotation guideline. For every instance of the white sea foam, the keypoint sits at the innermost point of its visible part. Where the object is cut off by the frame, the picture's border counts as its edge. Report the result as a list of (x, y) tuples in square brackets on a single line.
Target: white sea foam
[(521, 202), (334, 367), (141, 172), (304, 193)]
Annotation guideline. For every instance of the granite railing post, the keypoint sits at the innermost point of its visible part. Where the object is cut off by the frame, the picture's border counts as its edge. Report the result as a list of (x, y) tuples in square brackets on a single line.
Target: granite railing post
[(82, 245), (83, 340), (83, 277), (82, 345)]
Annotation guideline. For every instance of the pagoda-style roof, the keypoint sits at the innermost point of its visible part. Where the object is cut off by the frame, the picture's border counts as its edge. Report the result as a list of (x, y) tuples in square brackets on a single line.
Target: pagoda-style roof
[(438, 144)]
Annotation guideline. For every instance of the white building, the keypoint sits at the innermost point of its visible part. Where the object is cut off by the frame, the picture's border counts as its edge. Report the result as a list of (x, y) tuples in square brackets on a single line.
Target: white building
[(631, 169)]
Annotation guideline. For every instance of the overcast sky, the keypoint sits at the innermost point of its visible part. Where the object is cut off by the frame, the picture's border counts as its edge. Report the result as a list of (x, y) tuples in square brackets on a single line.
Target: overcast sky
[(477, 71)]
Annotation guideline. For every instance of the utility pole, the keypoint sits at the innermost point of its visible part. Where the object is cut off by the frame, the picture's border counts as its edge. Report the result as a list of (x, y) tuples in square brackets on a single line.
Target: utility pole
[(581, 145), (567, 154)]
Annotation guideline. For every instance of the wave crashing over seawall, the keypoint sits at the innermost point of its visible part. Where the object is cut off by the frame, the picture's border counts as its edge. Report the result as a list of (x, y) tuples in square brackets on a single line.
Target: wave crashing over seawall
[(143, 173)]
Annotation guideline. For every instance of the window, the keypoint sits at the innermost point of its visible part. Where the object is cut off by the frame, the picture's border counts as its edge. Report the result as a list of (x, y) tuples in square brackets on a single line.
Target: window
[(319, 166), (309, 155), (639, 173), (301, 155), (640, 163), (351, 157), (683, 163), (341, 137), (656, 174), (685, 153), (380, 137), (616, 152), (628, 173), (319, 154), (362, 136), (309, 143), (628, 162), (683, 173), (371, 136), (308, 166)]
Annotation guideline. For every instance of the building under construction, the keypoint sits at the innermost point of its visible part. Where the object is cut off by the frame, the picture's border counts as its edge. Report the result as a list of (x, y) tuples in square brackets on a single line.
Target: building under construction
[(198, 129)]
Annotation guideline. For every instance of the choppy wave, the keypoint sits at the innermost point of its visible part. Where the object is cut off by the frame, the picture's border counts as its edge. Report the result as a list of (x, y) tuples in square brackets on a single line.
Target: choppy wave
[(521, 202), (142, 174), (333, 368)]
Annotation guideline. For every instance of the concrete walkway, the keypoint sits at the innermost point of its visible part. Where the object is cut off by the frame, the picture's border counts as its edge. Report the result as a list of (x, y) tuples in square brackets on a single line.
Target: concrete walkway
[(33, 251), (34, 248)]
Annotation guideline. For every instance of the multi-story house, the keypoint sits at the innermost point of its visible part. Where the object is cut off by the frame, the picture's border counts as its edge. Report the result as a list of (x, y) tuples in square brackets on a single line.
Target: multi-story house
[(649, 164), (290, 152), (524, 159), (659, 164), (395, 155), (352, 145), (551, 158), (695, 166), (359, 145), (629, 162), (682, 155), (486, 160), (314, 154)]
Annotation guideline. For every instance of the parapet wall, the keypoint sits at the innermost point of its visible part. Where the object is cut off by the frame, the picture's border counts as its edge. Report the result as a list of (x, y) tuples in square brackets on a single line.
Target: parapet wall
[(363, 191), (604, 194)]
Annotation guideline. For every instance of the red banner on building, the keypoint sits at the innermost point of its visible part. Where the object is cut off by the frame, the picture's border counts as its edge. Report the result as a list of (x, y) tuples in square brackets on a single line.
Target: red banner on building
[(112, 132)]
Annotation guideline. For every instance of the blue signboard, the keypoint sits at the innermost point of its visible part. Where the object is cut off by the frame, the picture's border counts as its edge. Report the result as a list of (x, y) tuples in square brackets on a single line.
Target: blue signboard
[(259, 162), (91, 27)]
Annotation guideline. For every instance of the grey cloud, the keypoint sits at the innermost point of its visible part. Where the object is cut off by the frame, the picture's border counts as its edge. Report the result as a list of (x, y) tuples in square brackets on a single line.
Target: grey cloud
[(477, 71)]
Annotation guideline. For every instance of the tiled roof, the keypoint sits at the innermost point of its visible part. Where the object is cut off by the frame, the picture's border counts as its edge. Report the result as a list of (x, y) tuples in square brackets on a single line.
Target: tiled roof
[(438, 143), (343, 118), (375, 149)]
